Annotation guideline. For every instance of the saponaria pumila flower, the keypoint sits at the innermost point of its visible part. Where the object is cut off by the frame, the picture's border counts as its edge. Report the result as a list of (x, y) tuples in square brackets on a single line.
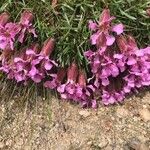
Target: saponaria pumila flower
[(118, 65), (11, 32), (75, 88), (32, 64), (41, 65), (26, 25)]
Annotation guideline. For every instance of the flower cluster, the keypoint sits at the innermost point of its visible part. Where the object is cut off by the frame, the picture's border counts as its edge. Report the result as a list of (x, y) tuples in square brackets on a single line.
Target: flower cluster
[(27, 63), (76, 88), (11, 32), (116, 62), (118, 67)]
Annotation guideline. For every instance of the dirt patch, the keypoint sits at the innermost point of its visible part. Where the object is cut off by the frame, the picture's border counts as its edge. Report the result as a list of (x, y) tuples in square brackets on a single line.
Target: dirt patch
[(56, 125)]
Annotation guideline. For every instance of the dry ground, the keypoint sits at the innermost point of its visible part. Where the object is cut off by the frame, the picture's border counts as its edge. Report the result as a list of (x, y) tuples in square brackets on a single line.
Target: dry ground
[(56, 125)]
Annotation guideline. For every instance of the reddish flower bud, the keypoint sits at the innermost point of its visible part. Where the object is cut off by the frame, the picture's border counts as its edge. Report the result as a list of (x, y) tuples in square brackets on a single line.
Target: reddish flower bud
[(132, 42), (122, 43), (105, 16), (61, 74), (82, 79), (4, 17), (35, 48), (48, 47), (72, 72), (26, 16), (148, 12)]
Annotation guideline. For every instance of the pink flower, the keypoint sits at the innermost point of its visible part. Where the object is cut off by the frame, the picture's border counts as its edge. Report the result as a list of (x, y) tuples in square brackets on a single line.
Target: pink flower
[(41, 64), (56, 79), (67, 90), (7, 35), (112, 97), (26, 25), (102, 37)]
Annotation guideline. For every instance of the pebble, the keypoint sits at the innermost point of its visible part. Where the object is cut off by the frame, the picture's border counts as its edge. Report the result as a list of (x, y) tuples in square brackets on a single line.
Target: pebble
[(1, 145), (145, 114), (134, 143), (122, 112), (144, 147), (103, 143), (84, 113)]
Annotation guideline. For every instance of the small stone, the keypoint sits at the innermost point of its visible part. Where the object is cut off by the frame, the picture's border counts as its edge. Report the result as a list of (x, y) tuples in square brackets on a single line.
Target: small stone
[(144, 147), (134, 143), (84, 113), (89, 143), (108, 148), (103, 143), (122, 112), (1, 145), (8, 142), (145, 114)]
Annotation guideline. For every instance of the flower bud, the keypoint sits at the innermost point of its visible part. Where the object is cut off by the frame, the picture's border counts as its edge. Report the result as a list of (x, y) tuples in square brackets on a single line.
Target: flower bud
[(132, 42), (4, 17), (105, 16), (82, 79), (61, 74), (48, 47), (26, 16), (72, 73), (122, 43)]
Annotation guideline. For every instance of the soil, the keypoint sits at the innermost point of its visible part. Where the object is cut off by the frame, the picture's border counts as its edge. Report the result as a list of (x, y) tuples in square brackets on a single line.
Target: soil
[(58, 125)]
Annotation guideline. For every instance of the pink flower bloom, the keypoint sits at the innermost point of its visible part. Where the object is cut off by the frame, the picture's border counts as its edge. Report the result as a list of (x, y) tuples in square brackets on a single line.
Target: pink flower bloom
[(102, 36), (56, 79), (26, 25), (67, 90), (7, 35), (41, 64), (112, 97), (92, 26), (84, 92)]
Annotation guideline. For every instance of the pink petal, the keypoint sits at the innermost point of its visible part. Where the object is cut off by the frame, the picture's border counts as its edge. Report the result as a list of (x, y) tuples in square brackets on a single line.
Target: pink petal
[(105, 82), (94, 38), (33, 71), (110, 40), (37, 78), (30, 52), (131, 61), (92, 26), (48, 66), (118, 28), (61, 88)]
